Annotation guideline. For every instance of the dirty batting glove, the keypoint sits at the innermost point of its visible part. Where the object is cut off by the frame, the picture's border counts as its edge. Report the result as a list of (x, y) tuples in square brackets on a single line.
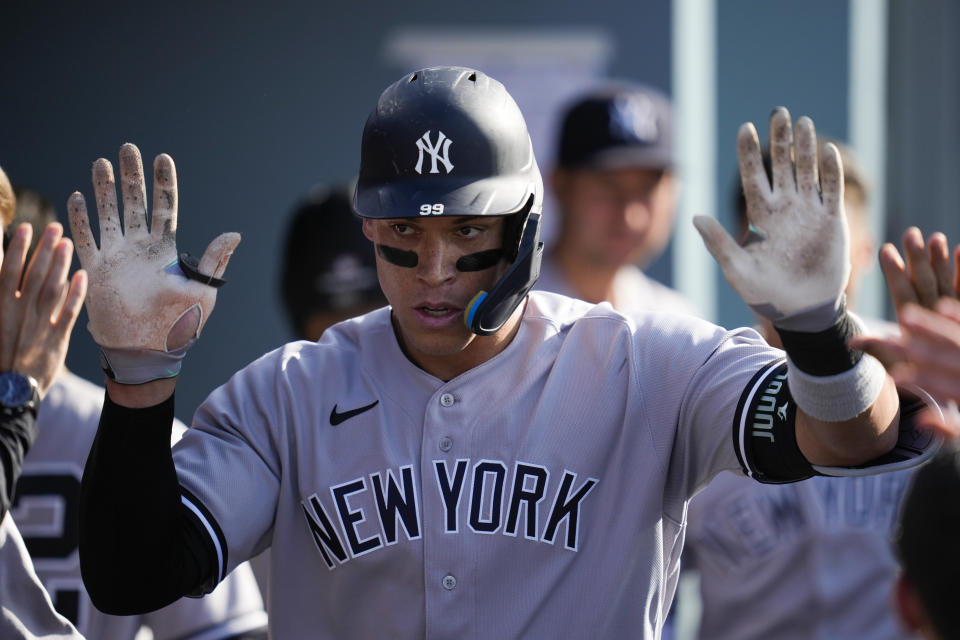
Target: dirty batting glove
[(146, 303), (796, 271)]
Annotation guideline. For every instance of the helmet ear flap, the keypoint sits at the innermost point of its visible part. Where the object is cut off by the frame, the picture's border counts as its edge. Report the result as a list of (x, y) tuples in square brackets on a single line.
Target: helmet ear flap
[(513, 225)]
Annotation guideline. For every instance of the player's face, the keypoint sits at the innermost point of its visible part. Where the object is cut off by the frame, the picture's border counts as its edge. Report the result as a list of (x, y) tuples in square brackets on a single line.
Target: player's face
[(616, 217), (429, 299)]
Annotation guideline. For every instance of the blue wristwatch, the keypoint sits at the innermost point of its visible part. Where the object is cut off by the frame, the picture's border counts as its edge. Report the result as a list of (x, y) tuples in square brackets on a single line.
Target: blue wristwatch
[(18, 393)]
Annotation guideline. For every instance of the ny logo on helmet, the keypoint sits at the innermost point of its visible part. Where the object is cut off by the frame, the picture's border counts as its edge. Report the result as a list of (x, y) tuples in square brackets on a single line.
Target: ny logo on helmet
[(438, 152)]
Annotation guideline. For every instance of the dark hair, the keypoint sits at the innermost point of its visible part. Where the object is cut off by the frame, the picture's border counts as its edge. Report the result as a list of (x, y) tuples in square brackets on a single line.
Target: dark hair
[(328, 265), (928, 534)]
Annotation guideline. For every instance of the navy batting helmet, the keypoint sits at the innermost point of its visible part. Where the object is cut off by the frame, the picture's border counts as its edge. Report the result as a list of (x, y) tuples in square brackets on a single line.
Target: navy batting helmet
[(450, 141)]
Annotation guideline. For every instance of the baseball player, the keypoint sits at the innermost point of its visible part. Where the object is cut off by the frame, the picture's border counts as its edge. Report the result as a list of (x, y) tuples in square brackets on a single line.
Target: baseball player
[(328, 272), (35, 322), (471, 459), (45, 508), (616, 191)]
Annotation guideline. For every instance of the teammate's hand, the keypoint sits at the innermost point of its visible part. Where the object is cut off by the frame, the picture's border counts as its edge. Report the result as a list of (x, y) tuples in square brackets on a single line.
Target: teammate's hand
[(139, 298), (923, 278), (800, 260), (926, 354), (39, 307), (926, 275)]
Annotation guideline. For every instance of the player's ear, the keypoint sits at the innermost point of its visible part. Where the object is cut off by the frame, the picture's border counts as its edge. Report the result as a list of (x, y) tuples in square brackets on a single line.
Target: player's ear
[(368, 229), (908, 604)]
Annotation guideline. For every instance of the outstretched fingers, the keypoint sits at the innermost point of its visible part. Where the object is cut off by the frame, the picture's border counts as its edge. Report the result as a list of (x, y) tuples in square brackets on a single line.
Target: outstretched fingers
[(72, 303), (956, 270), (895, 273), (12, 268), (134, 191), (920, 267), (53, 291), (163, 225), (215, 258), (808, 179), (105, 192), (40, 264), (781, 150), (753, 176), (888, 350), (939, 251), (831, 179), (80, 229)]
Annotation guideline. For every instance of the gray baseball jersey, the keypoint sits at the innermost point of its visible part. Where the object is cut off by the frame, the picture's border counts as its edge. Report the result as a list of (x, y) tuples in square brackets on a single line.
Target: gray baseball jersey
[(25, 607), (46, 510), (540, 494), (812, 560)]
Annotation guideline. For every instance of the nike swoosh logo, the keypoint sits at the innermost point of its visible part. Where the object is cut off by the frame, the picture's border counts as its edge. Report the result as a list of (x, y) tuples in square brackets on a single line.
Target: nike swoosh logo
[(336, 417)]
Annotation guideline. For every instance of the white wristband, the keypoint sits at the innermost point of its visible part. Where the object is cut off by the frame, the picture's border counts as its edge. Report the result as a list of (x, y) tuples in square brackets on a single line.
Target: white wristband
[(838, 397)]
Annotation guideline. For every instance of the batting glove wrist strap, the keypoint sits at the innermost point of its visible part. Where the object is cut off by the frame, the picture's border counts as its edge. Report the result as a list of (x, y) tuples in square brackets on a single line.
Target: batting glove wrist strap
[(823, 352), (820, 317), (137, 366)]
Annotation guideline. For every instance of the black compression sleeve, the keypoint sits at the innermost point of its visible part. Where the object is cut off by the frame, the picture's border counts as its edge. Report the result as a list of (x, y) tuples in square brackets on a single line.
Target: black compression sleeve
[(140, 548), (17, 433)]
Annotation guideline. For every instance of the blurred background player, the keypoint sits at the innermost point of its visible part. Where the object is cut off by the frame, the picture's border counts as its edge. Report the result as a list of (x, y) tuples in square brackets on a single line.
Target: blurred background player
[(46, 504), (25, 607), (616, 191), (329, 270), (811, 559), (926, 544), (328, 274)]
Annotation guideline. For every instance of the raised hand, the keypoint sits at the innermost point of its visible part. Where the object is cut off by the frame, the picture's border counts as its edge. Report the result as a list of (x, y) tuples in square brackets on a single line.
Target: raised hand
[(926, 275), (800, 262), (39, 307), (144, 308)]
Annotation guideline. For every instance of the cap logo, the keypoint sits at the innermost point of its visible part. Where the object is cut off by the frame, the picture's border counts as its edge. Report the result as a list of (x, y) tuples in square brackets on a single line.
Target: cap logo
[(634, 118), (439, 152)]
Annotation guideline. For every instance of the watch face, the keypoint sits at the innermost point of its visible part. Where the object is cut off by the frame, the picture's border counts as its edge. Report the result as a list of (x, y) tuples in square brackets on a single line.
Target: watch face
[(15, 389)]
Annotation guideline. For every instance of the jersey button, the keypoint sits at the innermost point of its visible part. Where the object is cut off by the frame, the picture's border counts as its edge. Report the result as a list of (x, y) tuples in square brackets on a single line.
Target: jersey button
[(447, 400), (449, 582), (446, 444)]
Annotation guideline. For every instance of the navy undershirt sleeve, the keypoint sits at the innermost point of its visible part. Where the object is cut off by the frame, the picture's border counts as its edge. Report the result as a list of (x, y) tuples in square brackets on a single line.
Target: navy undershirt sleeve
[(140, 548), (17, 433)]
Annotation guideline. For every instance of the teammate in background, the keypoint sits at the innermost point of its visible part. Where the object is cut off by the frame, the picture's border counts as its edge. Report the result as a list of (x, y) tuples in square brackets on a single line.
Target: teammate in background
[(926, 545), (616, 192), (329, 273), (471, 459), (811, 559), (34, 333), (67, 423)]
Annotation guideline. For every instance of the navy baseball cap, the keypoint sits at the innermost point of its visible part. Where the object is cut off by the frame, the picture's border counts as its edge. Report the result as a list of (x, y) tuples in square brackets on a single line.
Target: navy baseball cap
[(328, 263), (617, 126)]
